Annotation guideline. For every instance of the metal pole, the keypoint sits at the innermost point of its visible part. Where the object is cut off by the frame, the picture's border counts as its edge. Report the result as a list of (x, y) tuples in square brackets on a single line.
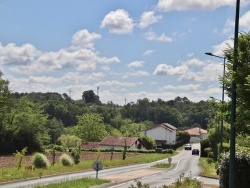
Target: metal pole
[(233, 103), (222, 102)]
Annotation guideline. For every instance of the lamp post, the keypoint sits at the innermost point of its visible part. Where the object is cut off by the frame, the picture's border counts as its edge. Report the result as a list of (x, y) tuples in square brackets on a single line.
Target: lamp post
[(222, 98), (233, 103)]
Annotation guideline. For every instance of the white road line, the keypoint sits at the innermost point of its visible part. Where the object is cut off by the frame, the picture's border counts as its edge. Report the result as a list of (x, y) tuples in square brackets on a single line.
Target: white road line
[(177, 164)]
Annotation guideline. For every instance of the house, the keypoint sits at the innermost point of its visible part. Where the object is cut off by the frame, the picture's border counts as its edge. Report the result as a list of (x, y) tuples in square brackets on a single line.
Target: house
[(163, 133), (118, 142), (90, 145), (196, 134)]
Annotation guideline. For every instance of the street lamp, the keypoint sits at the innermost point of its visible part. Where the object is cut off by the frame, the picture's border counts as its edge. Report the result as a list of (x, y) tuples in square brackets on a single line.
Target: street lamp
[(222, 98)]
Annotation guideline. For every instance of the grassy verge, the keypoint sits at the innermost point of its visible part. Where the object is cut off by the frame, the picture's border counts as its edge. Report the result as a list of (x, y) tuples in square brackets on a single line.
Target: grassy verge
[(208, 169), (83, 183), (162, 165), (10, 174)]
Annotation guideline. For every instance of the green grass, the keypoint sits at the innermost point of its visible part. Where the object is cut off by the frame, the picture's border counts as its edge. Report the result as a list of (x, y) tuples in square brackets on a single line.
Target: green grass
[(209, 170), (83, 183), (162, 165), (10, 174)]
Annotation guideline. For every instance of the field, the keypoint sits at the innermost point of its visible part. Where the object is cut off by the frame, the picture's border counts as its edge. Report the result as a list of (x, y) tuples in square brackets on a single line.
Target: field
[(11, 161)]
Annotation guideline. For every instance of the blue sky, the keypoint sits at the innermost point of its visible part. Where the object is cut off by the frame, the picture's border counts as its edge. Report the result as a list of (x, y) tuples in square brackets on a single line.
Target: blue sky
[(128, 49)]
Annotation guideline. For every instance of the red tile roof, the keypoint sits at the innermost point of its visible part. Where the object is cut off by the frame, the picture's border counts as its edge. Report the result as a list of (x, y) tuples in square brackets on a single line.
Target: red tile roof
[(90, 145), (195, 131), (118, 141)]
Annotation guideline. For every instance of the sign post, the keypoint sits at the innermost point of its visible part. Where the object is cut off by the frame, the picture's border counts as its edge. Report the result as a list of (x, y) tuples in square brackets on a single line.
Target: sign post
[(97, 166)]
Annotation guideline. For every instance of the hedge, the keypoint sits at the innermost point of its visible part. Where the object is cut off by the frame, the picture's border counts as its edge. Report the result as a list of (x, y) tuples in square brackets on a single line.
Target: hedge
[(242, 168)]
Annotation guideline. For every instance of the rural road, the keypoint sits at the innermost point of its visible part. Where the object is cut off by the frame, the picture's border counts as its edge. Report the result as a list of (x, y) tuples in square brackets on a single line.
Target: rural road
[(122, 177)]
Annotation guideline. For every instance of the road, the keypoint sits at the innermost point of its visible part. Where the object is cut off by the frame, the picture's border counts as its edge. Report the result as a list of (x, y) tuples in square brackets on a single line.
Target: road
[(122, 177)]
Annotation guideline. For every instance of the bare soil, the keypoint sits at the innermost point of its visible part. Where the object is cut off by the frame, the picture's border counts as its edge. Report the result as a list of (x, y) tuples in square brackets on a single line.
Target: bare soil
[(11, 161)]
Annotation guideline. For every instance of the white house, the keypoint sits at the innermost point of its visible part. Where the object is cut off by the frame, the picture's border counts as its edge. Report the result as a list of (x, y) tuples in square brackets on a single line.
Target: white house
[(196, 134), (163, 133), (118, 142)]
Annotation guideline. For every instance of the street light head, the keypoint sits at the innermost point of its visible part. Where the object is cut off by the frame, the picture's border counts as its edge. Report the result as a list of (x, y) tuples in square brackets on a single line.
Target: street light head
[(209, 53)]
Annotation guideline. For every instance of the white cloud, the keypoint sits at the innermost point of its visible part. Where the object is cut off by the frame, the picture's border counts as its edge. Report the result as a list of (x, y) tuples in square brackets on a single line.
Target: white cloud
[(139, 73), (164, 69), (84, 39), (219, 49), (148, 52), (17, 55), (193, 61), (80, 56), (188, 87), (152, 36), (180, 5), (118, 22), (148, 18), (136, 64), (245, 20)]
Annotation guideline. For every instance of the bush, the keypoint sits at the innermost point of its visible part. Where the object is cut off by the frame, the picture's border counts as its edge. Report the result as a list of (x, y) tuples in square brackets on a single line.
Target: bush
[(66, 160), (76, 153), (204, 144), (58, 148), (242, 164), (40, 161), (170, 151)]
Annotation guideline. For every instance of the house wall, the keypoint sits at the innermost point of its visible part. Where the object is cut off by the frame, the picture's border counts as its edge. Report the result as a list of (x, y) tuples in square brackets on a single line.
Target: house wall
[(198, 138), (160, 133)]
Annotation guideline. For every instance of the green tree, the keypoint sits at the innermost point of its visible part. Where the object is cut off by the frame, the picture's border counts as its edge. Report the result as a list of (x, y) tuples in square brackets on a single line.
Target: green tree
[(69, 141), (90, 127), (90, 97), (242, 79), (26, 127)]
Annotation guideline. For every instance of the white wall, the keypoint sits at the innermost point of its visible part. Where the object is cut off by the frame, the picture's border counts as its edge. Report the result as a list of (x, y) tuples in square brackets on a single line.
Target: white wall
[(160, 133)]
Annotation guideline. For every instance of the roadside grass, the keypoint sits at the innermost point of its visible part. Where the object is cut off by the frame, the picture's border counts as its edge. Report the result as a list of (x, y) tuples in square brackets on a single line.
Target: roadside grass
[(10, 174), (83, 183), (162, 165), (209, 170)]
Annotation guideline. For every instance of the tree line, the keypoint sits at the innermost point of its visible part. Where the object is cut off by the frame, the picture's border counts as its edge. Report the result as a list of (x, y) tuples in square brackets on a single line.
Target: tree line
[(37, 120)]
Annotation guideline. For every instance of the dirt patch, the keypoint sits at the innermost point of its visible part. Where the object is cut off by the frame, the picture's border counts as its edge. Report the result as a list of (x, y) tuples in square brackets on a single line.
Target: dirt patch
[(11, 161)]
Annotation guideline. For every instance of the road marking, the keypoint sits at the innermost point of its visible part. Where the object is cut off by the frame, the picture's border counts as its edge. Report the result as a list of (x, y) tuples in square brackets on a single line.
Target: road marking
[(177, 164)]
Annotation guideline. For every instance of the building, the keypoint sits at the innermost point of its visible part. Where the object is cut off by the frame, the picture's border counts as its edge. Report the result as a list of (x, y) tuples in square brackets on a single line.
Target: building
[(118, 143), (163, 133), (196, 134)]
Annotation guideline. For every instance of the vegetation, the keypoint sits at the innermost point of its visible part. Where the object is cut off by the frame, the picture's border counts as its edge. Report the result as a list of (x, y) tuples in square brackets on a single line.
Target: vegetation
[(66, 160), (162, 165), (83, 183), (9, 174), (40, 161), (209, 168)]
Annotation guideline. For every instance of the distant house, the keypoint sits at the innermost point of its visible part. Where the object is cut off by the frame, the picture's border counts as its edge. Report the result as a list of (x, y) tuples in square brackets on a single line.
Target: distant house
[(163, 133), (196, 134), (118, 142), (90, 145)]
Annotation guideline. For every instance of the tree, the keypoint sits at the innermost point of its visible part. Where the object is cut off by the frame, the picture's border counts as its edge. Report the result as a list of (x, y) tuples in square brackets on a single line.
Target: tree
[(242, 79), (90, 97), (26, 127), (55, 129), (69, 141), (90, 127)]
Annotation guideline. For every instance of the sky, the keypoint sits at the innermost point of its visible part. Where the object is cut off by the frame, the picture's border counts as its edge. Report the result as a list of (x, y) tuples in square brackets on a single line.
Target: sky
[(122, 50)]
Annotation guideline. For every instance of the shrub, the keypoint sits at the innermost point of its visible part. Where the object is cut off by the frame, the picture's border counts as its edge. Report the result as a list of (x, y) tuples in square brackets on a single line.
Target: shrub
[(76, 153), (40, 161), (242, 164), (170, 151), (66, 160), (58, 148)]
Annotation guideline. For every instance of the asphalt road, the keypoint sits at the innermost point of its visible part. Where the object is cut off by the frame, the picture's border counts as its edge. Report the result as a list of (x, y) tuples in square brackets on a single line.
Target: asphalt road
[(121, 177)]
